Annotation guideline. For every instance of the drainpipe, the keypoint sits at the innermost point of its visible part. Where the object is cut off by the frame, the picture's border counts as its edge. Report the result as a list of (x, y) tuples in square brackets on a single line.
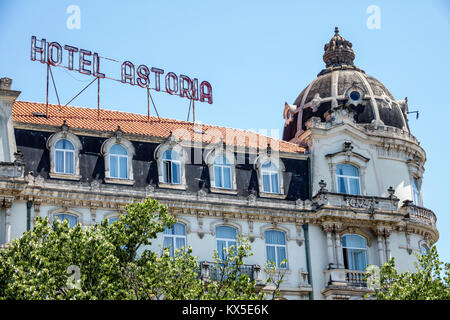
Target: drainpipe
[(308, 259), (29, 204)]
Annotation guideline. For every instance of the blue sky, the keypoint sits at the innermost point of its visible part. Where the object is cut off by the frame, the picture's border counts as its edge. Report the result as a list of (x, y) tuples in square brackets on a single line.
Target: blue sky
[(256, 55)]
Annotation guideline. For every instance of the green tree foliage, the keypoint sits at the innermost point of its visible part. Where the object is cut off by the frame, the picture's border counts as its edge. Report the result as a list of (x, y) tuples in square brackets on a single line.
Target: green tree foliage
[(113, 261), (430, 281)]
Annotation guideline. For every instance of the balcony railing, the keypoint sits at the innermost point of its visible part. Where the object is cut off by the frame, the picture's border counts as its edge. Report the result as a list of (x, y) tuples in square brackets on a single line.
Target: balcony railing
[(419, 214), (212, 272), (356, 278), (345, 278)]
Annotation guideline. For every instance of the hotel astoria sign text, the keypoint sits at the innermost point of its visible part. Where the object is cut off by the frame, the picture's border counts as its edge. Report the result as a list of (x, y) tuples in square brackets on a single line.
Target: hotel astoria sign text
[(51, 53)]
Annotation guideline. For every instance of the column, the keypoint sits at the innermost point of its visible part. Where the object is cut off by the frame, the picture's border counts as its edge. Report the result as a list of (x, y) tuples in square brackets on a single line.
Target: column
[(388, 248), (330, 248), (380, 248), (8, 225), (339, 253)]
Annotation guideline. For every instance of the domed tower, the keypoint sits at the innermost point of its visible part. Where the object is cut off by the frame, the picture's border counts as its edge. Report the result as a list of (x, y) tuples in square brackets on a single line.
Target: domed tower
[(344, 103), (342, 83), (366, 168)]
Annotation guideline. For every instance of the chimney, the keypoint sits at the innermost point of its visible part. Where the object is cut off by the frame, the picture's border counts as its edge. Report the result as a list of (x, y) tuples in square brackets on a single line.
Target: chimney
[(7, 139)]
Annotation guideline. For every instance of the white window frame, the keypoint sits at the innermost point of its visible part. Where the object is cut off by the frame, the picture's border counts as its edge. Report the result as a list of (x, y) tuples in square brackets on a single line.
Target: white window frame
[(51, 146), (346, 248), (347, 179), (348, 157), (221, 168), (210, 156), (227, 240), (118, 138), (174, 144), (278, 163), (65, 155), (118, 156), (170, 162), (277, 262), (270, 173), (174, 237)]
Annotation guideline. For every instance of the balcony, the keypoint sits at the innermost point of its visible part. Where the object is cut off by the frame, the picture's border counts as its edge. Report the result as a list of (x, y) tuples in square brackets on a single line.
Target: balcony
[(345, 277), (344, 283), (418, 214), (209, 271)]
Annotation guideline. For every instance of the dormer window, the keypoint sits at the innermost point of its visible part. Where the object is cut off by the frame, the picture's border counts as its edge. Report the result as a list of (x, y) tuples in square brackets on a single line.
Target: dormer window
[(270, 178), (222, 172), (118, 162), (64, 157), (64, 149), (171, 159), (118, 153), (222, 175), (347, 177), (171, 167)]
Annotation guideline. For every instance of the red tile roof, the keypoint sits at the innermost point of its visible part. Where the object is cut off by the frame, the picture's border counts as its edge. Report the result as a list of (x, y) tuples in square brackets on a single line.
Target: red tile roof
[(131, 123)]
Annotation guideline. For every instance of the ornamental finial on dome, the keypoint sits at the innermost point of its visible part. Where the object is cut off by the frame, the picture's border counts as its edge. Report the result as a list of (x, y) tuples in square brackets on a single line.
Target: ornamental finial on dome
[(338, 52)]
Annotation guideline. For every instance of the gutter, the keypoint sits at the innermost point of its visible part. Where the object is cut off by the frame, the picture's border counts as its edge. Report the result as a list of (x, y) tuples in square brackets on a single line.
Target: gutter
[(308, 258), (29, 204)]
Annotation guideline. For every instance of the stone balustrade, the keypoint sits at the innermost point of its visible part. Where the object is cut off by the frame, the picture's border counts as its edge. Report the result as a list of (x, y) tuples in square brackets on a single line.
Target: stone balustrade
[(419, 214), (209, 271), (345, 278)]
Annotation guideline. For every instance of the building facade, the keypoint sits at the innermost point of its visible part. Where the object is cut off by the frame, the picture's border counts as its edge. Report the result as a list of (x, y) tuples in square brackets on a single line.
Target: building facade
[(339, 192)]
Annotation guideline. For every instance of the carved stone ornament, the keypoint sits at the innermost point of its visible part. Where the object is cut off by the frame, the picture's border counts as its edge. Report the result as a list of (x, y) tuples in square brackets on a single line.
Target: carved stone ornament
[(299, 204), (251, 200), (201, 194), (95, 184), (39, 181), (118, 134), (149, 189), (363, 203)]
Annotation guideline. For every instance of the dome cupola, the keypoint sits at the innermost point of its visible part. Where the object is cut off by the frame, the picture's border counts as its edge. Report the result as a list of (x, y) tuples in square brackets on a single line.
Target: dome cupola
[(341, 83), (338, 51)]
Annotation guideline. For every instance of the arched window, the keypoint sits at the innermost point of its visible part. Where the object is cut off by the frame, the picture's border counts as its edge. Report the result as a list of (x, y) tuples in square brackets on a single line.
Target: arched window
[(225, 237), (175, 237), (118, 162), (270, 177), (171, 166), (64, 157), (347, 177), (355, 252), (276, 247), (222, 172), (416, 192), (72, 219)]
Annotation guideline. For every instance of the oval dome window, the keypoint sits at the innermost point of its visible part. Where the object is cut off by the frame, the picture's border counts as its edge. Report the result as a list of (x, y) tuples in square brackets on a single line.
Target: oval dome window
[(354, 95)]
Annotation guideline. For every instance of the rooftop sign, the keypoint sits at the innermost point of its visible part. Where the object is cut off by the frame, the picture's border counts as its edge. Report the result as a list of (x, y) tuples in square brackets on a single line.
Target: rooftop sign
[(89, 64)]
